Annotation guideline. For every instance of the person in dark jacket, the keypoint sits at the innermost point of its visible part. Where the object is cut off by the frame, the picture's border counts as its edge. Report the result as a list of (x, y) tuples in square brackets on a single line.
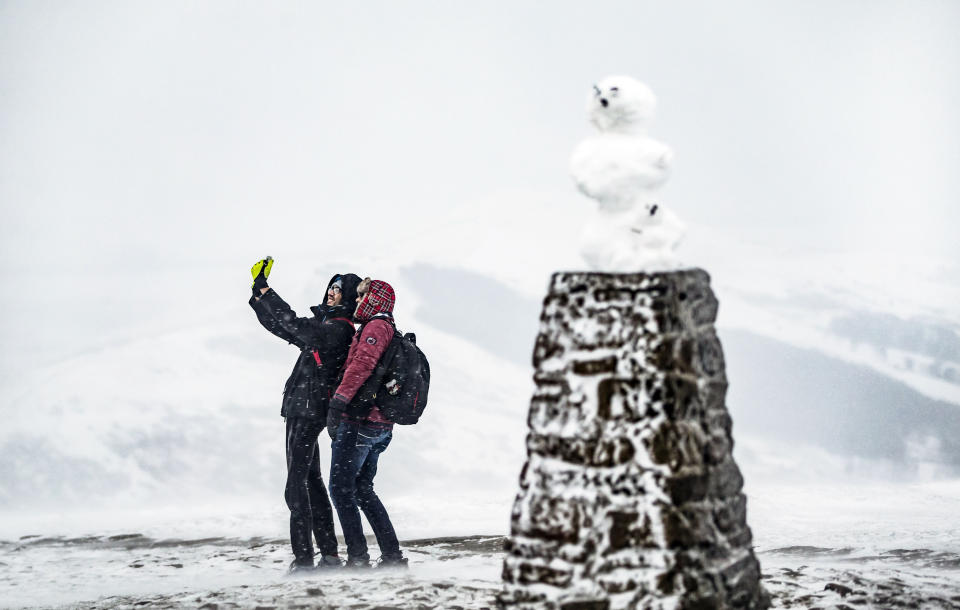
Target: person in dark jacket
[(360, 433), (323, 340)]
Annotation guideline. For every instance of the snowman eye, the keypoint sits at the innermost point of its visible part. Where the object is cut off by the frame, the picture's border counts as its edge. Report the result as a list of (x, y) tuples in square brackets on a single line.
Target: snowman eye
[(614, 91)]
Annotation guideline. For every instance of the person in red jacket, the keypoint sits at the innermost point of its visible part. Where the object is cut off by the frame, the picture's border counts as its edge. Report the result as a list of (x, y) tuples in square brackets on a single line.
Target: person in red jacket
[(360, 433)]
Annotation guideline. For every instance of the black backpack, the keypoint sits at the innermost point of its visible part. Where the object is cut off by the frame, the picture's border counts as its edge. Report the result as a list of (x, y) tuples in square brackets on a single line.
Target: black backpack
[(404, 375)]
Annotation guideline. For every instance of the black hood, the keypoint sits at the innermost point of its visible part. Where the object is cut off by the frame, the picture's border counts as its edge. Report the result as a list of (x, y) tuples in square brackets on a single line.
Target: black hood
[(348, 300)]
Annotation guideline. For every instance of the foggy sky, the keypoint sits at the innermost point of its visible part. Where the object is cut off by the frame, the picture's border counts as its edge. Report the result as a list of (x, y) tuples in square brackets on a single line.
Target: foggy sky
[(148, 137)]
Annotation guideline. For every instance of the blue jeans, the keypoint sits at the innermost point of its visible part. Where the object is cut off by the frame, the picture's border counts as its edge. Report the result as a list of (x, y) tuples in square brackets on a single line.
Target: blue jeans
[(356, 450)]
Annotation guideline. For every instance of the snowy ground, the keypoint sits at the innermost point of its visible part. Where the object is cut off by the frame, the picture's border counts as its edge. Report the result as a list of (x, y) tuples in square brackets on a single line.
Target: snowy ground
[(132, 570), (878, 545), (161, 446)]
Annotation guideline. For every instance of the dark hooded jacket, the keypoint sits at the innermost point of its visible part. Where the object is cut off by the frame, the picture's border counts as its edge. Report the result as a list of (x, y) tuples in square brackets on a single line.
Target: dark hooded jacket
[(323, 340)]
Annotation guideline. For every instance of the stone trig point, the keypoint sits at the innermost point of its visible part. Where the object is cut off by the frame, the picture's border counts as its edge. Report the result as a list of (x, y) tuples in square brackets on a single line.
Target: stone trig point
[(630, 497)]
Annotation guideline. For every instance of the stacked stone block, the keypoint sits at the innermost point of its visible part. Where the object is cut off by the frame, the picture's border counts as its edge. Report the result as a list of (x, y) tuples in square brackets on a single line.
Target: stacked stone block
[(630, 497)]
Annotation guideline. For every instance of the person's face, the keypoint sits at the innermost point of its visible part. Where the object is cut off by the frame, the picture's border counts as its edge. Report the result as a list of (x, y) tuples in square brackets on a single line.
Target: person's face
[(334, 295), (361, 294)]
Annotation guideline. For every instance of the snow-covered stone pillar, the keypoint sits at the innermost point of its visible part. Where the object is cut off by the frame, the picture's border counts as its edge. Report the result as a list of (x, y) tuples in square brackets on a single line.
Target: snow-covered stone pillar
[(630, 497)]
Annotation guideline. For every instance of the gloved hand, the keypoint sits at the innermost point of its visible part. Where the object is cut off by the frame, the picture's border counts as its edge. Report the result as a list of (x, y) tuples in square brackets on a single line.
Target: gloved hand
[(260, 272), (335, 415)]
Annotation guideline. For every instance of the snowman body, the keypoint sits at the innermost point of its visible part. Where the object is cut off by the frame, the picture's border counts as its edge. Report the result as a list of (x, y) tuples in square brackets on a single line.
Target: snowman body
[(623, 169), (620, 170)]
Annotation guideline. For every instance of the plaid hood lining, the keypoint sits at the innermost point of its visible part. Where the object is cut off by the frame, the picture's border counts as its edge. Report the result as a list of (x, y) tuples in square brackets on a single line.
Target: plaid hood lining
[(380, 299)]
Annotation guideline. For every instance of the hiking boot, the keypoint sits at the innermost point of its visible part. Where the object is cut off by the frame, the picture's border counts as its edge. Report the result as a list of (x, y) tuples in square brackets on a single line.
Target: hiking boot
[(329, 562), (399, 562), (299, 568), (355, 563)]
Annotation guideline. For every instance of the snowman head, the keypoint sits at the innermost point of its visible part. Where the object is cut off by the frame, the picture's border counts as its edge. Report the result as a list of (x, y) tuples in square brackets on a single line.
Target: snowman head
[(620, 104)]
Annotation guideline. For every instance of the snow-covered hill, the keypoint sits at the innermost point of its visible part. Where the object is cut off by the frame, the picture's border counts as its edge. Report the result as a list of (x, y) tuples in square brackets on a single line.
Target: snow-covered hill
[(192, 416), (891, 311), (840, 377)]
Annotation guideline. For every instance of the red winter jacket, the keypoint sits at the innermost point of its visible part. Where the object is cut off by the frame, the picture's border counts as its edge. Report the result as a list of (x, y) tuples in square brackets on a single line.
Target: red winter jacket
[(365, 351), (369, 344)]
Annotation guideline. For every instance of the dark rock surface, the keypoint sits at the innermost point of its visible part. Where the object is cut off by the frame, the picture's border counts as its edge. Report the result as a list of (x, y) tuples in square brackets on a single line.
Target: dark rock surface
[(630, 496)]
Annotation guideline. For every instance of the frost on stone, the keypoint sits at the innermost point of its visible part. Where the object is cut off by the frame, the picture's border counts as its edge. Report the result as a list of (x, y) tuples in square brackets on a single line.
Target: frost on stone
[(630, 497)]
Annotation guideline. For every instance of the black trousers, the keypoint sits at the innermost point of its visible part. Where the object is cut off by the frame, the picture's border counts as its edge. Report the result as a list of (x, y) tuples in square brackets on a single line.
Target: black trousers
[(306, 495)]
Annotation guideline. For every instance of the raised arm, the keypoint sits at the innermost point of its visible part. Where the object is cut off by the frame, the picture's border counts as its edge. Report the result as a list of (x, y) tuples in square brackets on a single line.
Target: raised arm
[(306, 331), (269, 321)]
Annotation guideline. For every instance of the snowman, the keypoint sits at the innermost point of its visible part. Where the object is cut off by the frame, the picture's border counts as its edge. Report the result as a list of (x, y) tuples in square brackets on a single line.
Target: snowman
[(623, 169)]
